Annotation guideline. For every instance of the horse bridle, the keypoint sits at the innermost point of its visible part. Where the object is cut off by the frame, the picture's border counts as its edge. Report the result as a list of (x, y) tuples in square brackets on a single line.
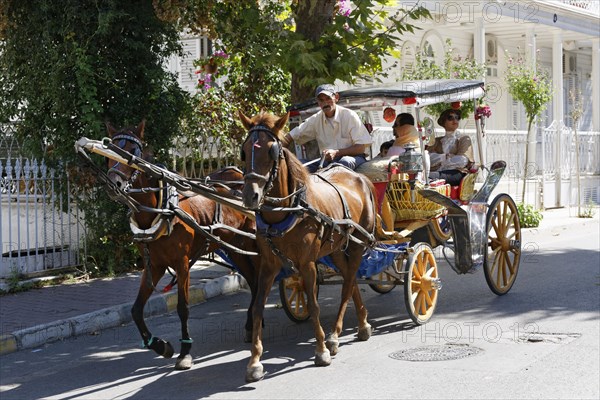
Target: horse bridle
[(122, 139), (275, 152)]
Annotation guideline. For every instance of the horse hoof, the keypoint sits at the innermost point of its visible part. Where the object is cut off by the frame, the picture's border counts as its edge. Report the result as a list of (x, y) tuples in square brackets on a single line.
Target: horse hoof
[(184, 362), (168, 351), (248, 337), (322, 359), (333, 345), (364, 333), (255, 373)]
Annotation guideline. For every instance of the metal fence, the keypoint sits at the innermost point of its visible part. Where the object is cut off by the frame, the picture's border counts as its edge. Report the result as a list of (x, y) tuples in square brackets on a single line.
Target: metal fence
[(42, 230)]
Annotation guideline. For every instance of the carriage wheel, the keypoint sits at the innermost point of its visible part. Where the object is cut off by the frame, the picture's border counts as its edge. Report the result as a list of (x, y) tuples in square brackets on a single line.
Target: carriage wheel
[(503, 256), (383, 288), (421, 284), (293, 298)]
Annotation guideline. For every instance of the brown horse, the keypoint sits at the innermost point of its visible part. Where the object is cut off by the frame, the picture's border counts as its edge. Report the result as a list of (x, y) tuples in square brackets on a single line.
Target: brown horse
[(328, 201), (170, 242)]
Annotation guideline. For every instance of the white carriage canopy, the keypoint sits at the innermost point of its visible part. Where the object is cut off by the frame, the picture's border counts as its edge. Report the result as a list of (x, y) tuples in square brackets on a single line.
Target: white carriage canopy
[(419, 93)]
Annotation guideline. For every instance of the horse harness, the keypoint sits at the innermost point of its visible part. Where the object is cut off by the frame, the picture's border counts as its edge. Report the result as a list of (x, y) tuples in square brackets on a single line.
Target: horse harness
[(275, 152), (167, 206), (300, 205)]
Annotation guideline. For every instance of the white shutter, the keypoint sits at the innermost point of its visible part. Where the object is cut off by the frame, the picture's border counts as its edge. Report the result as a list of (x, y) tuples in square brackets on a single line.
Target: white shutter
[(193, 49)]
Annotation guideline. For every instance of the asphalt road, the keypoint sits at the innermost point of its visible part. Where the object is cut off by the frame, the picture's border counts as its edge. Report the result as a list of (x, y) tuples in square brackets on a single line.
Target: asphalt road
[(539, 341)]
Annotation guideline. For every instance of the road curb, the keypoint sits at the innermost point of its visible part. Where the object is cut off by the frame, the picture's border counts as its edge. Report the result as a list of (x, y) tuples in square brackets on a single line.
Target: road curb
[(93, 322)]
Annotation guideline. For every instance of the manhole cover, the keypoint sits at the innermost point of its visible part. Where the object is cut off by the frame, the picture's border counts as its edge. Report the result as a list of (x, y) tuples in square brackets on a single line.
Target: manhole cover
[(436, 353)]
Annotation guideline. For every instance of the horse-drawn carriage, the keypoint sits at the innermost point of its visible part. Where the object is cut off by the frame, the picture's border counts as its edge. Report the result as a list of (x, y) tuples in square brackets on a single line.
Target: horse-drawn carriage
[(429, 214), (313, 229)]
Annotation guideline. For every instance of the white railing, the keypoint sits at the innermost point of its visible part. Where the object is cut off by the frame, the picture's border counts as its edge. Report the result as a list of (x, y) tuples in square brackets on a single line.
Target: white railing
[(559, 153), (42, 230), (202, 156), (593, 6)]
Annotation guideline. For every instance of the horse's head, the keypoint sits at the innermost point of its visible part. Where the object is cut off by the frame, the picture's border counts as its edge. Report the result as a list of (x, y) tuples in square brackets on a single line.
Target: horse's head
[(261, 153), (131, 140)]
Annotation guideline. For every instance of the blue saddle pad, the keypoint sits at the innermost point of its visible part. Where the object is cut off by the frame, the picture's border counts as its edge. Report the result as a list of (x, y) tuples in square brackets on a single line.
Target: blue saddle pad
[(373, 261)]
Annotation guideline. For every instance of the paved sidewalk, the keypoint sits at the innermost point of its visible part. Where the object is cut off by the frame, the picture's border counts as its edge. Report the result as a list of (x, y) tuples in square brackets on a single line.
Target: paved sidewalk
[(38, 316)]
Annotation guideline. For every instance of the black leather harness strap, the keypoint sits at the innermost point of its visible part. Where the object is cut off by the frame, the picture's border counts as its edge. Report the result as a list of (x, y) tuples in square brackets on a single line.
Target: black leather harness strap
[(347, 214)]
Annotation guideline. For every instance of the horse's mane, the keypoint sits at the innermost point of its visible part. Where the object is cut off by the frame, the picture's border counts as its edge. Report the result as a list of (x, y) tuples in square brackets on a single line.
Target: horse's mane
[(295, 168)]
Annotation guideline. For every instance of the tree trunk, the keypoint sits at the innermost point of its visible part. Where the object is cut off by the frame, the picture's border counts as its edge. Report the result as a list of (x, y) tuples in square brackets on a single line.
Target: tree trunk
[(312, 16), (577, 169), (526, 168)]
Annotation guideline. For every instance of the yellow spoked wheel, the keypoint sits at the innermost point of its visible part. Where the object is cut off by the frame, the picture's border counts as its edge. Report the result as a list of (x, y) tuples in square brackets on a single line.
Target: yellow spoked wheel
[(503, 255), (382, 288), (421, 284), (293, 298)]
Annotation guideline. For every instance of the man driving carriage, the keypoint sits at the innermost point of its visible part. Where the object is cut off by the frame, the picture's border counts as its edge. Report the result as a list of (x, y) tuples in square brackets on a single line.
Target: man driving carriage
[(339, 132)]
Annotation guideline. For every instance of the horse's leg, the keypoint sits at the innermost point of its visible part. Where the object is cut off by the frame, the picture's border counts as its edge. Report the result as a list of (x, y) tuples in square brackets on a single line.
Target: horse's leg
[(247, 270), (255, 370), (347, 290), (309, 275), (364, 328), (184, 360), (160, 346)]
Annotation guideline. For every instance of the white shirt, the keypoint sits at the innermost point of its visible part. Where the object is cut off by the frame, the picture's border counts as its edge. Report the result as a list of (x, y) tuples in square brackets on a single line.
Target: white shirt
[(343, 130)]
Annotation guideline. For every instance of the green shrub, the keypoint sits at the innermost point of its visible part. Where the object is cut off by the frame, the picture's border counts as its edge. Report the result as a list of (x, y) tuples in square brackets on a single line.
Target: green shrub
[(529, 216)]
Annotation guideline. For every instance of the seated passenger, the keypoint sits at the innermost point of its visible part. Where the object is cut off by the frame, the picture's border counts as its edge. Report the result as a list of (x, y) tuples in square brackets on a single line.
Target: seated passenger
[(452, 154), (404, 133), (339, 132), (384, 148)]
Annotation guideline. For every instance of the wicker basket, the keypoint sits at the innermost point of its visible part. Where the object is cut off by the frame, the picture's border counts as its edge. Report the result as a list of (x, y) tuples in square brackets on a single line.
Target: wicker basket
[(407, 207)]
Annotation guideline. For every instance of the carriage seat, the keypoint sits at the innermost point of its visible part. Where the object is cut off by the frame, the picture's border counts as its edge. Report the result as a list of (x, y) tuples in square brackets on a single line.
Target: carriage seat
[(465, 190)]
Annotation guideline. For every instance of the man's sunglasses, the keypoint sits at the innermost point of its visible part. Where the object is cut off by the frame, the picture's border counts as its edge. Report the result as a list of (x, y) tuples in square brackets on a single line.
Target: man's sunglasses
[(452, 118)]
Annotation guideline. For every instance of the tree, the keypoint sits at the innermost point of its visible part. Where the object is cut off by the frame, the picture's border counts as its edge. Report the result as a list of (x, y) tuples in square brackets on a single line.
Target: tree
[(531, 85), (65, 68), (314, 41), (279, 51)]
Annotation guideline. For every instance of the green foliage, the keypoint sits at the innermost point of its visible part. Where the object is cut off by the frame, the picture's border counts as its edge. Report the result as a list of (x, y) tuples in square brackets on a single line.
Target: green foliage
[(253, 82), (68, 66), (109, 240), (453, 67), (531, 86), (529, 217), (311, 41)]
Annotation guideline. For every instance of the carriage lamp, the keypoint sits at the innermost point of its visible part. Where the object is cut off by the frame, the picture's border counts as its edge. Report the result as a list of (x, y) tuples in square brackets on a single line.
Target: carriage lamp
[(410, 163)]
